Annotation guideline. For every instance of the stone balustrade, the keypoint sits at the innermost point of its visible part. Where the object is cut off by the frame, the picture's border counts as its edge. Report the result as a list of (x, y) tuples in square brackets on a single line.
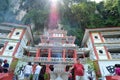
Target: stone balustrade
[(51, 61)]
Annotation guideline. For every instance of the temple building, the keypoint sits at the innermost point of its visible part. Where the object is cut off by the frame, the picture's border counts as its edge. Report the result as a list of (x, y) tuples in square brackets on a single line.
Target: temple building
[(57, 50), (104, 45), (54, 49), (13, 39)]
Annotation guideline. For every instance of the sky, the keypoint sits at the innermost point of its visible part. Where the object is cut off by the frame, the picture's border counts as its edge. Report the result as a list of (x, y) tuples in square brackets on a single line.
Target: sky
[(97, 0)]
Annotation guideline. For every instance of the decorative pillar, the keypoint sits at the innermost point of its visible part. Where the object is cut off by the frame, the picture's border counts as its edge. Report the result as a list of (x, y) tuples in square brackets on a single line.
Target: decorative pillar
[(47, 68), (11, 33), (107, 53), (28, 53), (91, 37), (84, 57), (102, 39), (37, 54), (16, 48), (75, 55), (95, 52), (63, 54), (23, 32), (5, 45), (49, 54)]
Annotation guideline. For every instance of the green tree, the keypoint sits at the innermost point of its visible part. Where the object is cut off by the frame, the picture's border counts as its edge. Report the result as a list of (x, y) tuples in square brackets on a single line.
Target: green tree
[(75, 15), (112, 12), (37, 12)]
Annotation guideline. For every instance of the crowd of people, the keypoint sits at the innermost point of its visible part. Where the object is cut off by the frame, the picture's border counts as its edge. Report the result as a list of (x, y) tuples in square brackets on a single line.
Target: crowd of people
[(37, 71), (32, 70), (4, 66)]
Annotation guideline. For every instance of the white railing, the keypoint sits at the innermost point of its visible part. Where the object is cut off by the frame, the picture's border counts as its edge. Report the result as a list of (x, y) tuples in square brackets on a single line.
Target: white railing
[(111, 33), (3, 35), (49, 61), (113, 47), (115, 55), (112, 39)]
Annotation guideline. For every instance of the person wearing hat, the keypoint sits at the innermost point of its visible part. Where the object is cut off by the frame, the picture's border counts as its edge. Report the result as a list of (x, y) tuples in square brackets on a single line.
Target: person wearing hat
[(5, 66)]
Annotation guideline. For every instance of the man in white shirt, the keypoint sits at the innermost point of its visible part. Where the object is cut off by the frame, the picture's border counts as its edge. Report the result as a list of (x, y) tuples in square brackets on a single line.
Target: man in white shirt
[(37, 72), (28, 71)]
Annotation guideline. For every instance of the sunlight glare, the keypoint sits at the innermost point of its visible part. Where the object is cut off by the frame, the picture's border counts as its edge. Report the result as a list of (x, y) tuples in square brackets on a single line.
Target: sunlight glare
[(54, 15), (53, 1)]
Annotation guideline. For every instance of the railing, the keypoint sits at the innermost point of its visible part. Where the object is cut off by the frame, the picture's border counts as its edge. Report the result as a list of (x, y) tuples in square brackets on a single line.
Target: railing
[(111, 33), (50, 61), (3, 35), (115, 55), (113, 47), (111, 40)]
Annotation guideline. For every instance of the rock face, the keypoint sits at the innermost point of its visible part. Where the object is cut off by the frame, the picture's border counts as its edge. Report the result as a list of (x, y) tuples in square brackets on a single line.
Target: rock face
[(20, 13), (13, 14)]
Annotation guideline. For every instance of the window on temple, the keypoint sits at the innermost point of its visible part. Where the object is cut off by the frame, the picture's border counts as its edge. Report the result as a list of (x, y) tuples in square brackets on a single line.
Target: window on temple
[(10, 48), (100, 51), (96, 37), (17, 33)]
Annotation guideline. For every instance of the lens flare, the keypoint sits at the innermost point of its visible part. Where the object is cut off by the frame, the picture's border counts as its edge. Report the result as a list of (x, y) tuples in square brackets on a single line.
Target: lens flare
[(53, 1), (53, 16)]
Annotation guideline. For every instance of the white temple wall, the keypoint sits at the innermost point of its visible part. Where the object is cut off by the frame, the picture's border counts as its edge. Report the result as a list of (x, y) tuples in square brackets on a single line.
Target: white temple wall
[(19, 53), (96, 38), (23, 43), (17, 34), (89, 43), (92, 55), (107, 67), (9, 49), (101, 53)]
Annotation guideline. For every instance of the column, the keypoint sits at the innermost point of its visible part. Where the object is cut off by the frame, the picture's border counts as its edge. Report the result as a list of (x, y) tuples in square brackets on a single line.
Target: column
[(107, 53), (23, 32), (75, 55), (49, 54), (96, 53), (37, 54), (47, 68), (28, 53), (63, 54), (84, 58)]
